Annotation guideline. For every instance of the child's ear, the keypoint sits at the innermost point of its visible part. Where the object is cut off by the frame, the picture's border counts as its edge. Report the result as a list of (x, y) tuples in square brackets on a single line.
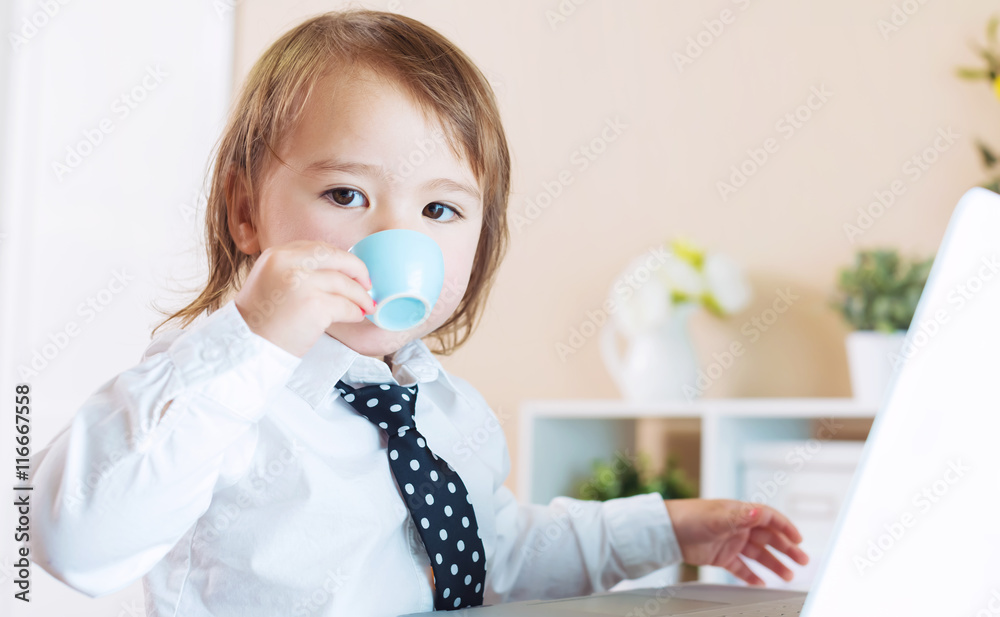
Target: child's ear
[(238, 216)]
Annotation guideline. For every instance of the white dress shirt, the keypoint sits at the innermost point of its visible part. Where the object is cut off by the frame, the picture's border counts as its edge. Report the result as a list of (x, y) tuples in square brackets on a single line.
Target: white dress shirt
[(229, 474)]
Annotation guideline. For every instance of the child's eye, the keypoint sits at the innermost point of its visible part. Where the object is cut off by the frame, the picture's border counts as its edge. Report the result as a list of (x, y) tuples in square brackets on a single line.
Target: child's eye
[(343, 196), (435, 209), (347, 198)]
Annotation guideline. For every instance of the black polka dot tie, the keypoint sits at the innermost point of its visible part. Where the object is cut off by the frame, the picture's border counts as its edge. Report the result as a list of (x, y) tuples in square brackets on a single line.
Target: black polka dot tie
[(433, 491)]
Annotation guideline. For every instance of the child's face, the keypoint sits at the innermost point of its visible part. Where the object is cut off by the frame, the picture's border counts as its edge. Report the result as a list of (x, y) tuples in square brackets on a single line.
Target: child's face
[(359, 120)]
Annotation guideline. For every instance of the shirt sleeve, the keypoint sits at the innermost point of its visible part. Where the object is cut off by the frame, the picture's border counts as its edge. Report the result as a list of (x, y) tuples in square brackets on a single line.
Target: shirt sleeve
[(569, 547), (141, 458), (572, 547)]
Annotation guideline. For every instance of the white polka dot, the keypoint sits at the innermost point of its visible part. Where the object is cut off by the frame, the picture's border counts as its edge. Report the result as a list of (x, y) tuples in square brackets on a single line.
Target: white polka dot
[(409, 488), (447, 510), (475, 555), (468, 498), (465, 521), (444, 534), (414, 465), (395, 407), (425, 523), (457, 602), (383, 425), (430, 499), (478, 587), (384, 386), (447, 592), (454, 568), (393, 455), (451, 487), (372, 402), (406, 397), (434, 475), (412, 389), (349, 397), (468, 579), (342, 391), (420, 442), (461, 545), (437, 558)]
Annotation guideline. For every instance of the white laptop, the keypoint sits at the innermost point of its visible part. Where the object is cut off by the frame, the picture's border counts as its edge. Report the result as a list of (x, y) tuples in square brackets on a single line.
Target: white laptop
[(919, 534)]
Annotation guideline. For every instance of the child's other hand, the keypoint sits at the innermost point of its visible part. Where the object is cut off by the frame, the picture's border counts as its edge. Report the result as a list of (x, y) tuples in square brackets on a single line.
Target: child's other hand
[(296, 290), (715, 532)]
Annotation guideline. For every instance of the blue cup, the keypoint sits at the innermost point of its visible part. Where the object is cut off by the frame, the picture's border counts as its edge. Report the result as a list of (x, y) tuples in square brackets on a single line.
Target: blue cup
[(406, 268)]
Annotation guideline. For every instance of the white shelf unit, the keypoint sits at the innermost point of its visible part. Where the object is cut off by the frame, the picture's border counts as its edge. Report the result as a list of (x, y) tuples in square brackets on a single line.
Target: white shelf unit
[(559, 439)]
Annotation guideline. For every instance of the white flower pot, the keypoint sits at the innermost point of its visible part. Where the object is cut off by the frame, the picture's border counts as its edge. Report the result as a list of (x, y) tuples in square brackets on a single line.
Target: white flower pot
[(658, 363), (869, 359)]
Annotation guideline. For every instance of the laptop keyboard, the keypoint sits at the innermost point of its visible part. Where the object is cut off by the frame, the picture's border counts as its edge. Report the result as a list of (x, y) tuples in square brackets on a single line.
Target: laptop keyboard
[(774, 608)]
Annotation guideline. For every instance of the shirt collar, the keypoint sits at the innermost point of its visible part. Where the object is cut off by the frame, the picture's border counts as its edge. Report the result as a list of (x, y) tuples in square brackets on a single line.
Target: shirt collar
[(329, 360)]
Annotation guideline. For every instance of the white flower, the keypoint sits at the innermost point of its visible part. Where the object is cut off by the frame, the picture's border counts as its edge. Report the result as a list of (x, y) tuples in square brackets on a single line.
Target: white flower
[(726, 283), (680, 277)]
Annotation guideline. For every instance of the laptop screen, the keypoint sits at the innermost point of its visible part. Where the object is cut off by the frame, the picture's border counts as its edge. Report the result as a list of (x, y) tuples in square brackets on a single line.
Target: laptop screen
[(920, 532)]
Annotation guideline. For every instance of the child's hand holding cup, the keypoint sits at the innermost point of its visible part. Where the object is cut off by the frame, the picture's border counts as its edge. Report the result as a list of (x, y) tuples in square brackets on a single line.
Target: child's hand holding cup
[(296, 290)]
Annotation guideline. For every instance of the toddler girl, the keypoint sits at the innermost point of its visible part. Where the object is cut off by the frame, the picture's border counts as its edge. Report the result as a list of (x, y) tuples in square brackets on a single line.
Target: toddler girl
[(232, 468)]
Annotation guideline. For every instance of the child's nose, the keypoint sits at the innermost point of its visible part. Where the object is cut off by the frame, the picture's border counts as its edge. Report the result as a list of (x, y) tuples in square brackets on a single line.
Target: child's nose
[(392, 217)]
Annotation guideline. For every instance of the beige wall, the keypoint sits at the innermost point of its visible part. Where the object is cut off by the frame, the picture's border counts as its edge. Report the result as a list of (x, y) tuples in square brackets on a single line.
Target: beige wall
[(558, 86)]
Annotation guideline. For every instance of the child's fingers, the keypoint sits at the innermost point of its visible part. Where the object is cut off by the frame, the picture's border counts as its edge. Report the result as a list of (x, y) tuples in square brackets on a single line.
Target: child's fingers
[(336, 283), (333, 258), (764, 557), (742, 572), (773, 518), (765, 535)]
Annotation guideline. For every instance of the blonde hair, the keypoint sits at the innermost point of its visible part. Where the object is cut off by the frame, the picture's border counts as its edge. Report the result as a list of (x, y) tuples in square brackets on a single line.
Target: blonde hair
[(433, 71)]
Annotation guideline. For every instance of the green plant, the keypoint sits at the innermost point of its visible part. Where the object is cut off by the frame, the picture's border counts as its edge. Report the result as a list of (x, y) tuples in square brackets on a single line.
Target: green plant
[(625, 477), (880, 292), (990, 73)]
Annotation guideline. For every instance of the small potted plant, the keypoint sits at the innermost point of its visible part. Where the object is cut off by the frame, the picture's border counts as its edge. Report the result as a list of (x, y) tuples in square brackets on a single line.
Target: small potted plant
[(627, 478), (877, 297)]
